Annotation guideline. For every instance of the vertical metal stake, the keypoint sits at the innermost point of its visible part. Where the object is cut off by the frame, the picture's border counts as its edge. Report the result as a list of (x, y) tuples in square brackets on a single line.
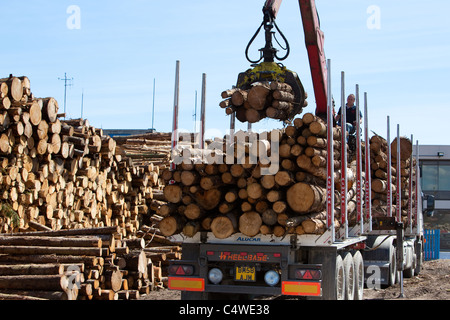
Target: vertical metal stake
[(359, 165), (153, 108), (399, 179), (203, 114), (416, 211), (175, 133), (344, 178), (389, 170), (330, 160), (368, 179), (410, 188)]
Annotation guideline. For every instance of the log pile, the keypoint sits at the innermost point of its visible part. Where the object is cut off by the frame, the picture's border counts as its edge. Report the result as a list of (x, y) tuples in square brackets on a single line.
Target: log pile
[(64, 174), (273, 100), (79, 264), (146, 149), (230, 198), (379, 164), (84, 264)]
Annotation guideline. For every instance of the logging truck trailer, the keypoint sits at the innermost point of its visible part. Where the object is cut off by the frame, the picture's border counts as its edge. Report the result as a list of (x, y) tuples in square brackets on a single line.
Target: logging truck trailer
[(336, 264)]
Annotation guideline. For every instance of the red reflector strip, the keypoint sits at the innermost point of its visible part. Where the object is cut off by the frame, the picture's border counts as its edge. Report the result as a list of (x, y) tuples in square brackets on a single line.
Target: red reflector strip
[(277, 255), (294, 288), (186, 284)]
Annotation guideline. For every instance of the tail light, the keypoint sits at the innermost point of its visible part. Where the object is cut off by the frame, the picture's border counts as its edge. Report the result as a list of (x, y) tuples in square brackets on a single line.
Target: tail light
[(181, 270), (308, 274)]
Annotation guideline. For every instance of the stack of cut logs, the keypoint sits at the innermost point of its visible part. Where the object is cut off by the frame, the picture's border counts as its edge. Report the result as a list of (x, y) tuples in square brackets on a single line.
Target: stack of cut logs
[(67, 176), (69, 265), (273, 100), (82, 264), (379, 164), (228, 198), (145, 149), (64, 174)]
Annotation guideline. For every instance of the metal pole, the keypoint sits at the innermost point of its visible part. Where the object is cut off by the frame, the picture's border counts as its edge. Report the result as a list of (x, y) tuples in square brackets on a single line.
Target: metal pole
[(153, 109), (410, 202), (359, 165), (175, 134), (195, 113), (330, 160), (82, 102), (203, 114), (344, 182), (389, 170), (399, 179), (65, 91), (368, 180), (416, 211)]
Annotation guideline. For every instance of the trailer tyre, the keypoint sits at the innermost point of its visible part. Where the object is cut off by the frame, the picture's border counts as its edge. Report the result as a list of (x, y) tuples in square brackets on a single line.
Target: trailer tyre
[(340, 278), (419, 253), (393, 267), (409, 273), (349, 271), (359, 275)]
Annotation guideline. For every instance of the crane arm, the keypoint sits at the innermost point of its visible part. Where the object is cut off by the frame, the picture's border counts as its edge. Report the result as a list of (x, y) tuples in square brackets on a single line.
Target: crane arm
[(314, 39)]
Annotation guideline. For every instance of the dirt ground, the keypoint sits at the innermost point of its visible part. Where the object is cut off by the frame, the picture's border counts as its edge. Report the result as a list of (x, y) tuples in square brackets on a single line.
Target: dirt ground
[(433, 283)]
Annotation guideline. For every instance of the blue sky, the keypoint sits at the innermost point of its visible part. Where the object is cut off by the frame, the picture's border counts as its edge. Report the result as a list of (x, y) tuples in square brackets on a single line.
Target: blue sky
[(120, 47)]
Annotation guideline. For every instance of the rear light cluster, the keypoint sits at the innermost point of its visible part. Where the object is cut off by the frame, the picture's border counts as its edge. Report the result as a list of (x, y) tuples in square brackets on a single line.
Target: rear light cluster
[(181, 270), (308, 274)]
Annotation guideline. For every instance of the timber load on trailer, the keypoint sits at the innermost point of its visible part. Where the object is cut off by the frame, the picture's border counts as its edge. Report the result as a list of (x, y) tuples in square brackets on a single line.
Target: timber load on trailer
[(307, 210)]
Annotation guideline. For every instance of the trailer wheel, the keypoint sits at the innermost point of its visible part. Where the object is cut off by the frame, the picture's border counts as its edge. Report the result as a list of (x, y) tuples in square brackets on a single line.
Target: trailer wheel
[(409, 273), (392, 267), (340, 278), (349, 271), (359, 275), (419, 252)]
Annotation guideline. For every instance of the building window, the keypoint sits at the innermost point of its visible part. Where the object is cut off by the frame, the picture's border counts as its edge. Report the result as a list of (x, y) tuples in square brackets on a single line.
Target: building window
[(444, 177), (435, 176)]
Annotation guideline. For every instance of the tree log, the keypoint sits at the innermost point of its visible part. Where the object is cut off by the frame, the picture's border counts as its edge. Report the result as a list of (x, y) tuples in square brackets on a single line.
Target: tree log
[(249, 223), (305, 198)]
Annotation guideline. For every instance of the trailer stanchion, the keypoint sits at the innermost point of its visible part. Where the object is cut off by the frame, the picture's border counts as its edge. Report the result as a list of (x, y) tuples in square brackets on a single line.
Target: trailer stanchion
[(344, 178), (359, 203), (399, 179), (389, 170), (175, 134), (368, 179), (400, 230), (203, 113), (416, 196), (410, 189), (330, 159)]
